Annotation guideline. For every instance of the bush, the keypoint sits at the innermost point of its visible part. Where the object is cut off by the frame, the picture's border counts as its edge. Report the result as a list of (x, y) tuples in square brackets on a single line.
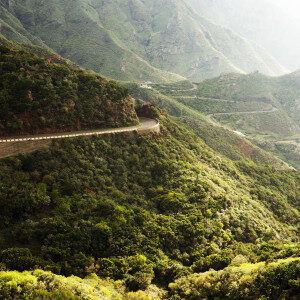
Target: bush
[(138, 281), (214, 261)]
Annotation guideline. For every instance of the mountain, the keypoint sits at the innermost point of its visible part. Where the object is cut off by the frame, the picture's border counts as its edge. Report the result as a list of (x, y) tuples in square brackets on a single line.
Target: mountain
[(135, 40), (130, 216), (260, 21), (40, 96)]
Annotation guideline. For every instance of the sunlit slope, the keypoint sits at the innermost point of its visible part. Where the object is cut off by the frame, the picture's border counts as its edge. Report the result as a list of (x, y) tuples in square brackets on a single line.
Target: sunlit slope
[(260, 21), (135, 40), (96, 205)]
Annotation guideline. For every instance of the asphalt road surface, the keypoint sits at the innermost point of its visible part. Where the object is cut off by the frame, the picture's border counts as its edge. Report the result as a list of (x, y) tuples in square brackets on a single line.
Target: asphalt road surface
[(145, 125)]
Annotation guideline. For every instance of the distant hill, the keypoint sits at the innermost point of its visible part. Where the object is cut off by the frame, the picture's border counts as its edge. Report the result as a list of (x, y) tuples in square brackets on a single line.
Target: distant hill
[(277, 129), (264, 108), (41, 95), (283, 92), (188, 113), (135, 40), (257, 20)]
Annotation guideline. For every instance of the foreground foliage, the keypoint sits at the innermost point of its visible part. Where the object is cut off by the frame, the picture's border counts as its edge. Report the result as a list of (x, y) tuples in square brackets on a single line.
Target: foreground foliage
[(274, 280), (39, 284), (143, 209)]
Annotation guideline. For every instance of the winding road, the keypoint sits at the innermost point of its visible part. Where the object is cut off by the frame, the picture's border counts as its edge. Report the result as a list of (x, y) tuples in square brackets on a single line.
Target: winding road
[(204, 98), (146, 125), (210, 116)]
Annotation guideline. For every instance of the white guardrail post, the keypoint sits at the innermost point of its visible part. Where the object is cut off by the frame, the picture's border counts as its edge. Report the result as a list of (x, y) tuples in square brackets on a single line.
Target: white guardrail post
[(68, 135)]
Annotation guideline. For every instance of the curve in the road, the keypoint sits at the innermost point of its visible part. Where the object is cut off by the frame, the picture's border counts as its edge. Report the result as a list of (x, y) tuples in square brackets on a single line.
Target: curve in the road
[(146, 125), (195, 86)]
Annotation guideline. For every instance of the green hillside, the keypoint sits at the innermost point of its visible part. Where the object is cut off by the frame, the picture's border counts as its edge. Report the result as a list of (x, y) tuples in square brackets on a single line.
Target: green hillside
[(134, 40), (38, 95), (276, 131), (190, 113), (39, 51), (141, 209), (264, 108), (129, 216), (71, 31), (281, 93)]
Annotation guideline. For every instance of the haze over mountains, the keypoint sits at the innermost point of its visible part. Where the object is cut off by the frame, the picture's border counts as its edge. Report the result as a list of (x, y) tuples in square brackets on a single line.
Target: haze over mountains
[(260, 21), (136, 40)]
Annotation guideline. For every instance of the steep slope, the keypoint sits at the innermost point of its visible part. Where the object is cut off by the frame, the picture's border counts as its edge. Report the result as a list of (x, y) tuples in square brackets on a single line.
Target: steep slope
[(39, 96), (135, 40), (71, 30), (40, 52), (260, 21), (13, 29), (140, 208)]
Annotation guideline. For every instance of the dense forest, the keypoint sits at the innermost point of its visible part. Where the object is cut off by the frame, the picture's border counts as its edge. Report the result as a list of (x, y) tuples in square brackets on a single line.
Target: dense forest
[(146, 210), (38, 95)]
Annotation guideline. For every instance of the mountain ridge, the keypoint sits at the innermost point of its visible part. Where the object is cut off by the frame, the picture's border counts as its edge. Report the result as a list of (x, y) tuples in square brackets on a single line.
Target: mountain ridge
[(40, 96), (129, 41), (260, 21)]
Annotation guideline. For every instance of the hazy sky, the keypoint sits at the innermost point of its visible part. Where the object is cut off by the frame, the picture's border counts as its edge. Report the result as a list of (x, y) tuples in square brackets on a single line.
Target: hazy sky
[(292, 7)]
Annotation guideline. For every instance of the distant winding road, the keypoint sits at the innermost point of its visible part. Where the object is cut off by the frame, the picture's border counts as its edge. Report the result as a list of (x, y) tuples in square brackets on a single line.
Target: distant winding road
[(210, 116), (145, 125)]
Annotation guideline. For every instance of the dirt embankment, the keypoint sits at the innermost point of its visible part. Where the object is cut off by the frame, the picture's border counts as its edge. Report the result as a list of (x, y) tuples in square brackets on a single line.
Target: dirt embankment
[(15, 148)]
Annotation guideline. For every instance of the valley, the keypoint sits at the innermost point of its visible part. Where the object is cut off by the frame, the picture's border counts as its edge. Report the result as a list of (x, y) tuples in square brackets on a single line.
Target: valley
[(262, 108), (149, 150)]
